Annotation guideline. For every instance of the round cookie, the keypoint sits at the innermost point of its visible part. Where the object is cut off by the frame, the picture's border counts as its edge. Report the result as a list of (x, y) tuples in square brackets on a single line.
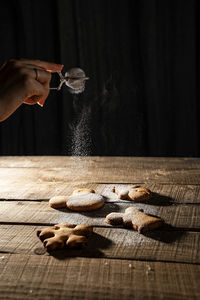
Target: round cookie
[(139, 194), (82, 191), (58, 201), (85, 202)]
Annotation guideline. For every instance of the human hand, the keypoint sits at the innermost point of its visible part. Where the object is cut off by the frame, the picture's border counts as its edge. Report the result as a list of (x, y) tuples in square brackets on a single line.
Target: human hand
[(24, 81)]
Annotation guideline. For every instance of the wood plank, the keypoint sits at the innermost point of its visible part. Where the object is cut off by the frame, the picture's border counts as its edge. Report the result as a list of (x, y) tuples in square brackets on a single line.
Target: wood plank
[(99, 172), (171, 246), (175, 193), (163, 194), (42, 277), (37, 190), (106, 268), (181, 216), (168, 163)]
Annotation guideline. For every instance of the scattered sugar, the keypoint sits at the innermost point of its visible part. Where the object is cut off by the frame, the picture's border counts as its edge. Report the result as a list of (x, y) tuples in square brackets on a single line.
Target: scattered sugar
[(131, 237), (149, 269)]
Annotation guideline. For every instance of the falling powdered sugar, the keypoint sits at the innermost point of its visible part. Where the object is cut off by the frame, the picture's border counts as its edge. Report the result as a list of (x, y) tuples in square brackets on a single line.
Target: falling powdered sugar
[(81, 144)]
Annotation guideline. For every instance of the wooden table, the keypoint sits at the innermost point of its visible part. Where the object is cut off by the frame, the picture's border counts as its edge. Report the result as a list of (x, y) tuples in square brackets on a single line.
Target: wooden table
[(117, 263)]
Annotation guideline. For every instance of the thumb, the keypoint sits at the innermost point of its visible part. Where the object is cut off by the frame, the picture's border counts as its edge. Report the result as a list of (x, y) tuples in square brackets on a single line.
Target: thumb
[(39, 93), (42, 100)]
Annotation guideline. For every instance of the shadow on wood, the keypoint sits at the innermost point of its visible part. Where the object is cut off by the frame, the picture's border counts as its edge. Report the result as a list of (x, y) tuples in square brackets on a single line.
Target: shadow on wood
[(165, 235), (159, 200), (98, 213)]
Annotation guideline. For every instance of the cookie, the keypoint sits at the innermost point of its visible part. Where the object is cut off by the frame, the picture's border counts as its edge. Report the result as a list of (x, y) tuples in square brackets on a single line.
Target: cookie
[(134, 193), (122, 193), (139, 194), (64, 234), (58, 201), (134, 218), (83, 191), (85, 202)]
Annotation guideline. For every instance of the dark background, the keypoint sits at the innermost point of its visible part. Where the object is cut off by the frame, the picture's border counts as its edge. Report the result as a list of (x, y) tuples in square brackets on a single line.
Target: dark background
[(142, 58)]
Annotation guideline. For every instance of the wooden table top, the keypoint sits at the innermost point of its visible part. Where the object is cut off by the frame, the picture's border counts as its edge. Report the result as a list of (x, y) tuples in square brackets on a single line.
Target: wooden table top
[(116, 263)]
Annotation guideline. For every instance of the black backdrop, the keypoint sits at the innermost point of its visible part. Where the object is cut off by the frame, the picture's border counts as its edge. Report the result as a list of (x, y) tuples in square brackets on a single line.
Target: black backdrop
[(142, 58)]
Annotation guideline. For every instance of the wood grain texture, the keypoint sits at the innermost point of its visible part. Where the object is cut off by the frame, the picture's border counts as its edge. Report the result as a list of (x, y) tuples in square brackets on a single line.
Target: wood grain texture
[(166, 194), (181, 216), (163, 194), (42, 277), (169, 163), (104, 170), (170, 246), (116, 263)]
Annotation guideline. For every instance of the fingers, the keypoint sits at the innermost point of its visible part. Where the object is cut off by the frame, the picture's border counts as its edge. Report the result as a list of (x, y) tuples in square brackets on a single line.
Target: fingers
[(34, 72), (42, 100), (41, 75), (13, 66), (25, 81), (36, 79), (49, 66), (38, 93)]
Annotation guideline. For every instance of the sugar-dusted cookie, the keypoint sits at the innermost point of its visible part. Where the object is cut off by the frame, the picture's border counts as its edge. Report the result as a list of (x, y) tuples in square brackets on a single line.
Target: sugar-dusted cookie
[(134, 218), (122, 193), (64, 234), (83, 191), (58, 201), (85, 202), (134, 193)]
